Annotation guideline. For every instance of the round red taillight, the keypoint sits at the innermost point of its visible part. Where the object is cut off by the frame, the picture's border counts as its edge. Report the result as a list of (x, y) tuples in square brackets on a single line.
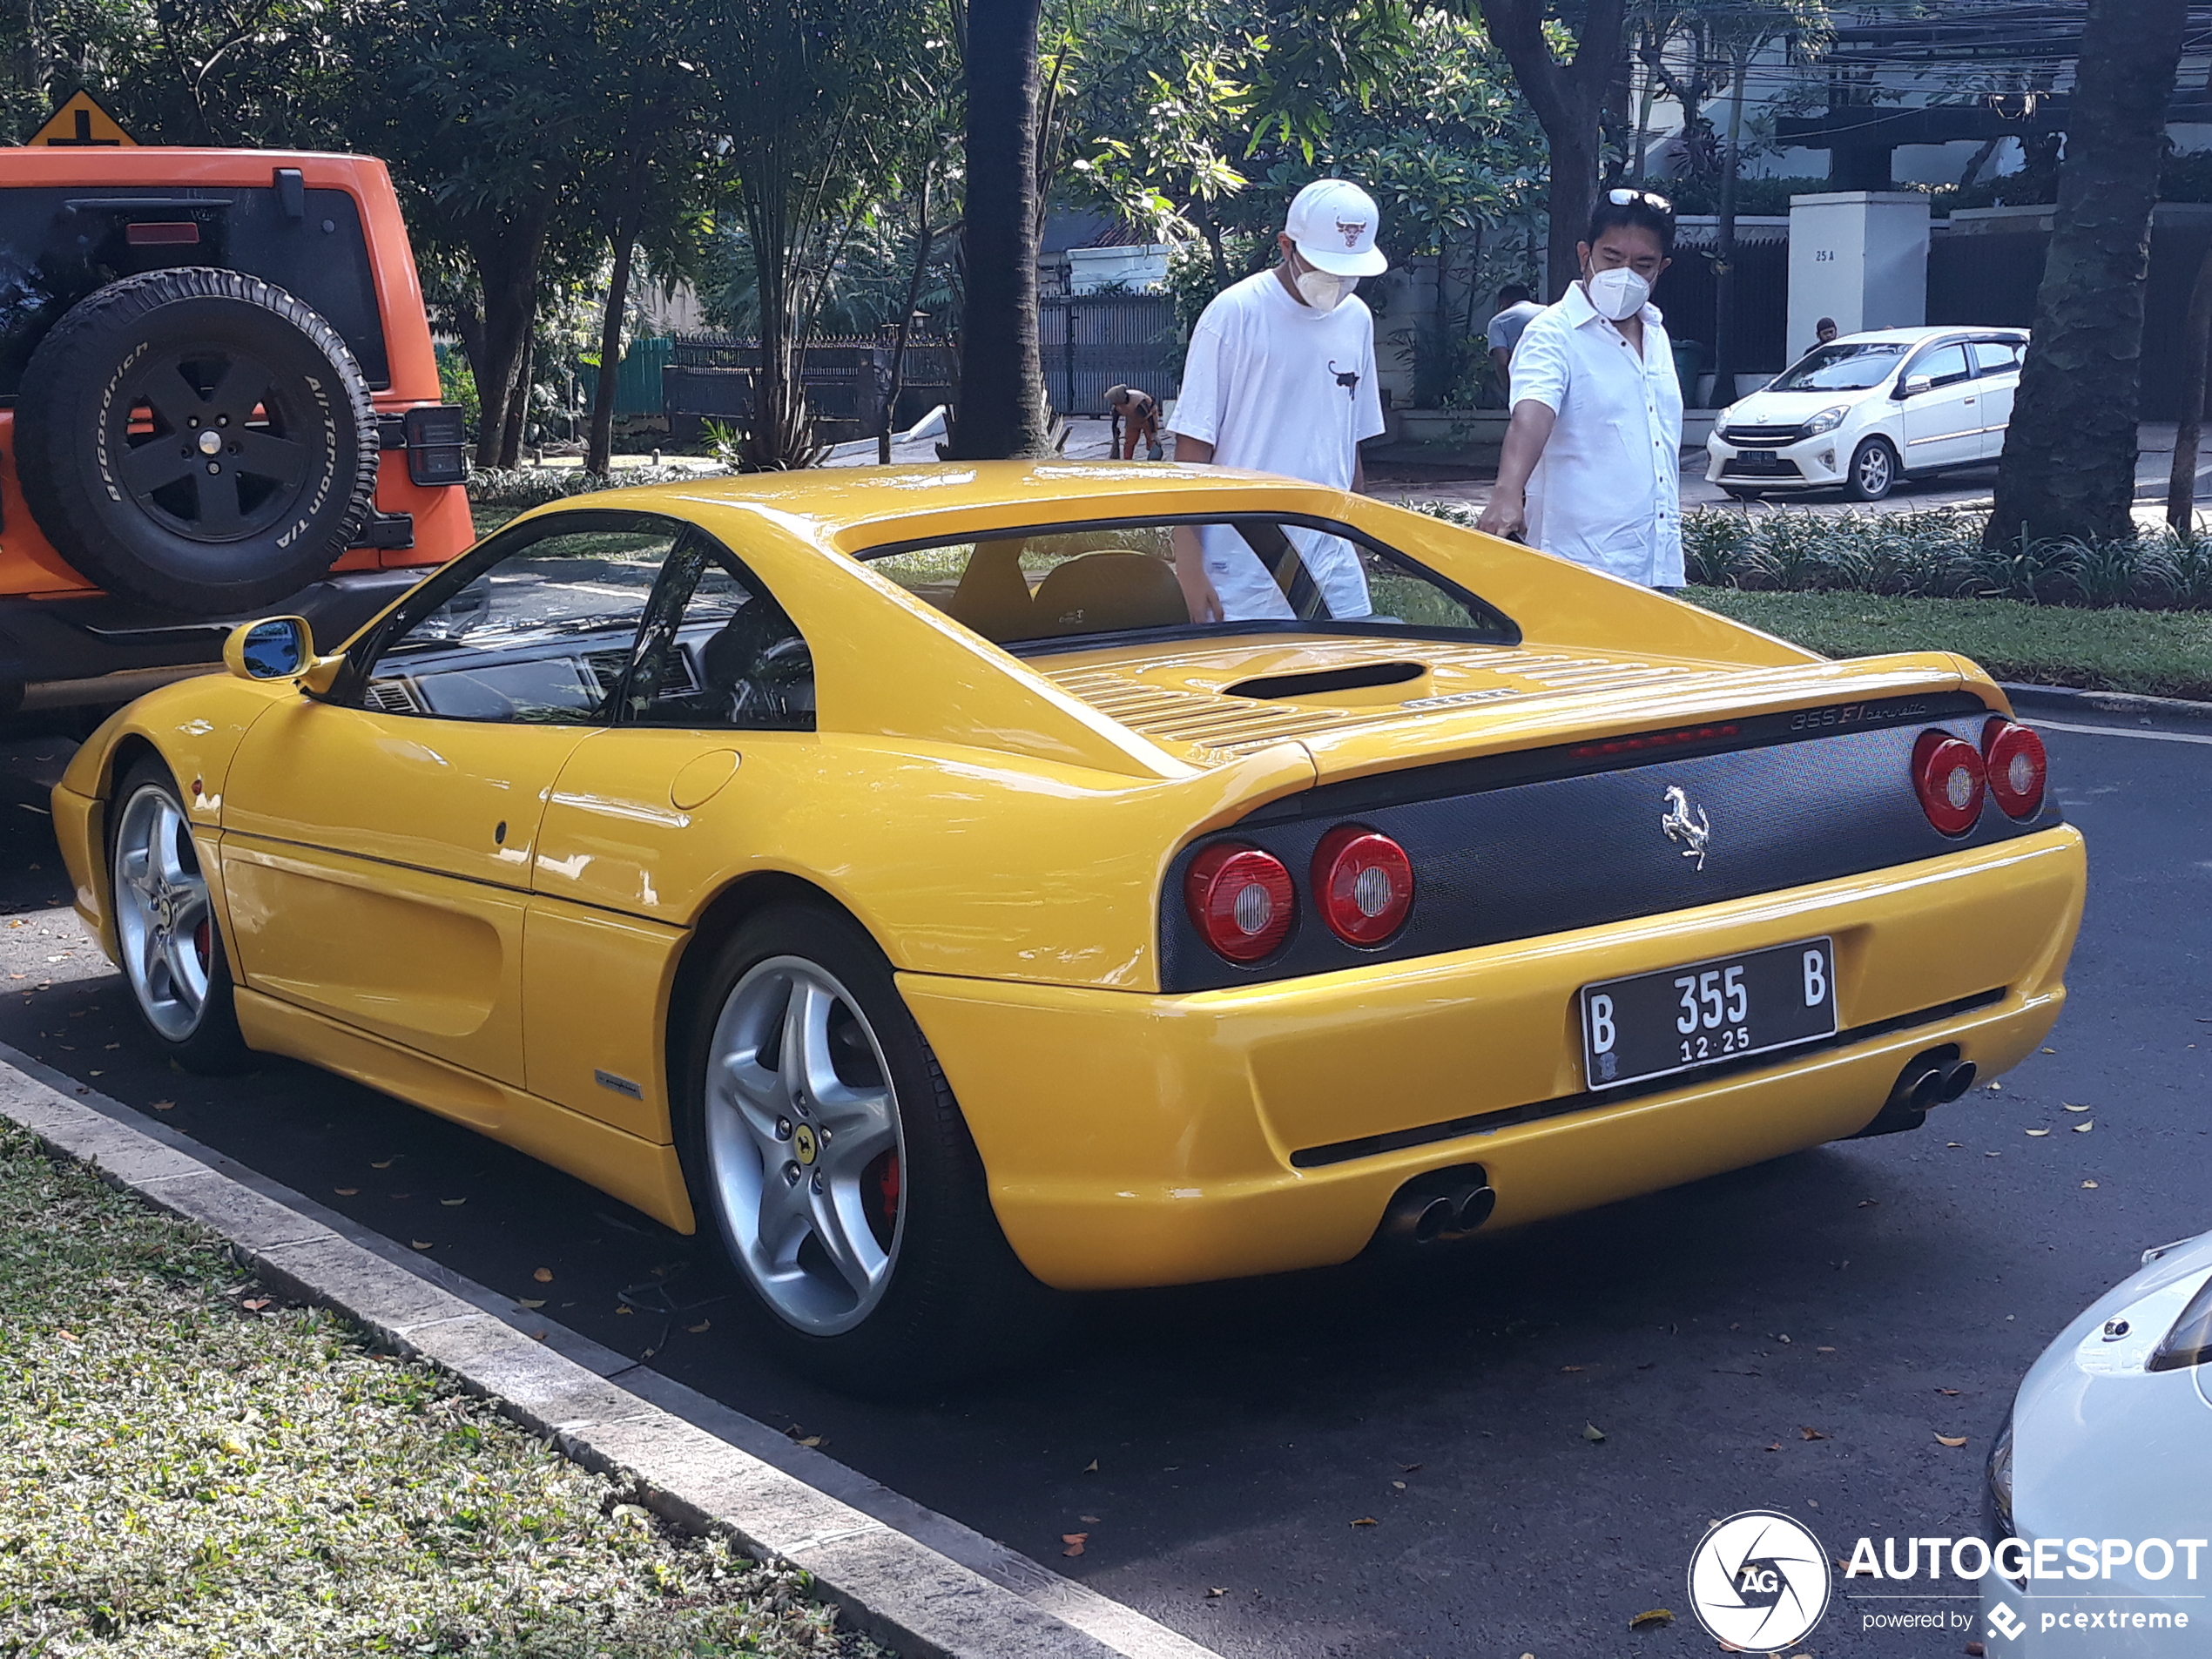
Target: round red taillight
[(1363, 883), (1951, 779), (2013, 757), (1240, 899)]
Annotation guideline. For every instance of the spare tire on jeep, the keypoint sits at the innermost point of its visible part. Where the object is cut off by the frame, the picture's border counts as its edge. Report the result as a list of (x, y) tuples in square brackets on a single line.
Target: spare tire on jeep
[(198, 440)]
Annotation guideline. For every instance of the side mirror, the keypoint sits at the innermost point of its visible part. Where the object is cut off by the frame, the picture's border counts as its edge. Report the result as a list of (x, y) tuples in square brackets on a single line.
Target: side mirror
[(275, 648), (1915, 386)]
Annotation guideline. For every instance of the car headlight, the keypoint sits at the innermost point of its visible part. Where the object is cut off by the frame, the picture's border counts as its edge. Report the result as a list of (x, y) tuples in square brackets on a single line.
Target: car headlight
[(1827, 421), (2189, 1343), (1719, 424), (2000, 1483)]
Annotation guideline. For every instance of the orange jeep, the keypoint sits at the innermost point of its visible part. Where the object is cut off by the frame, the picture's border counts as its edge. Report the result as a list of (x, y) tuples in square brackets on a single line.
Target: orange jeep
[(218, 400)]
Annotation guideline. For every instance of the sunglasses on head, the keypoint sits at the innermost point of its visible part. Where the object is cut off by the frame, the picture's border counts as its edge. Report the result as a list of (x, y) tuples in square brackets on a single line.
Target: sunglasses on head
[(1649, 199)]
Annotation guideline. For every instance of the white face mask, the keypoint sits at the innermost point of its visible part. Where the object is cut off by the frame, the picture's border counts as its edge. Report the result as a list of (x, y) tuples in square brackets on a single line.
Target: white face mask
[(1324, 291), (1617, 294)]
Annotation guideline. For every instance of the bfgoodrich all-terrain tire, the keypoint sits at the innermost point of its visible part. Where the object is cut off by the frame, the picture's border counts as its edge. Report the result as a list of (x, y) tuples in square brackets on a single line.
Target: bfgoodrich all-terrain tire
[(828, 1158), (197, 440)]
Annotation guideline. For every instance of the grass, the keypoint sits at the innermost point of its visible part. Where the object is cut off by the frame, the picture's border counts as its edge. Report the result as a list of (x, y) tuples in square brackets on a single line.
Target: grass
[(2155, 653), (193, 1470)]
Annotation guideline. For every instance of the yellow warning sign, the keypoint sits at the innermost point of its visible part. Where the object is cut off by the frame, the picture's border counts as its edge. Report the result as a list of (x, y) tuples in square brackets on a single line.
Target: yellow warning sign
[(81, 124)]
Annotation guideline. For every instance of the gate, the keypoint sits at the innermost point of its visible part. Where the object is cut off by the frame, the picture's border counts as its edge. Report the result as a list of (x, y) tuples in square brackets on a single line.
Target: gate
[(1092, 341)]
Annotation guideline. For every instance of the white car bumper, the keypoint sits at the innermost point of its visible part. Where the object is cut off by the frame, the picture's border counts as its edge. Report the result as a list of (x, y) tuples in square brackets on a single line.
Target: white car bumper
[(1809, 463)]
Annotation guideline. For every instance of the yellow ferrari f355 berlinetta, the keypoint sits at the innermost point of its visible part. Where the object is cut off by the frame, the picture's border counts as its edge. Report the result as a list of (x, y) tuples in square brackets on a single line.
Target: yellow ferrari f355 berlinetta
[(882, 870)]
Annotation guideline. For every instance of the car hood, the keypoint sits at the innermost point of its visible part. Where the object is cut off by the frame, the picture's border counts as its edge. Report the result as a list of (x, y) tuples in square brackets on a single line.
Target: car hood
[(1788, 408), (2103, 1447)]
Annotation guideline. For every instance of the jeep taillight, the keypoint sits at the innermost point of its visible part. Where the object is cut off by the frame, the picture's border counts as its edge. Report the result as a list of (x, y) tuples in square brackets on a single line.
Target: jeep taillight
[(1240, 900), (2014, 760), (1951, 779), (437, 449)]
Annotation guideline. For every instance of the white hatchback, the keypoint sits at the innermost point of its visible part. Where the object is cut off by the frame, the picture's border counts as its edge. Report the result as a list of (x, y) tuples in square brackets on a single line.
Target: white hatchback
[(1863, 411)]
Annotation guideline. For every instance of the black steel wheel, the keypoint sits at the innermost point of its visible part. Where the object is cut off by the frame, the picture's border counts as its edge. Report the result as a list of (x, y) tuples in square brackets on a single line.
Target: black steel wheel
[(197, 440)]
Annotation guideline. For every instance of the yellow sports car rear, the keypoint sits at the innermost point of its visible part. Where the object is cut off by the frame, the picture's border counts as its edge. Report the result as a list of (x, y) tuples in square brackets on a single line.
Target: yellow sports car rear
[(884, 871)]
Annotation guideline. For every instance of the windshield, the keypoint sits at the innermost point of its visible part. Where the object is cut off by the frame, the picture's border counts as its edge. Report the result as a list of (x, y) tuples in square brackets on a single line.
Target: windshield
[(1063, 587), (1848, 366)]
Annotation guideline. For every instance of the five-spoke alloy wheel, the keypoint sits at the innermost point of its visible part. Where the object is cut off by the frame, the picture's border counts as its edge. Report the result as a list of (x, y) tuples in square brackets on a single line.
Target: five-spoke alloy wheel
[(802, 1141), (164, 926), (825, 1154)]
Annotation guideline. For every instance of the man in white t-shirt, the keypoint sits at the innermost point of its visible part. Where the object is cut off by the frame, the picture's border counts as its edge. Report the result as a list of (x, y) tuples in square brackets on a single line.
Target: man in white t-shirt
[(1280, 377)]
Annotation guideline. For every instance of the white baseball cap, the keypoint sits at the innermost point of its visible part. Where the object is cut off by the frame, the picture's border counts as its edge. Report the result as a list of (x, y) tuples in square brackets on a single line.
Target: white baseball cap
[(1332, 221)]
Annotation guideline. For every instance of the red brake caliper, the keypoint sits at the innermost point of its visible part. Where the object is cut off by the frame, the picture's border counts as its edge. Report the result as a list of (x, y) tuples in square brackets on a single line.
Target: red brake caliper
[(888, 1189), (203, 940)]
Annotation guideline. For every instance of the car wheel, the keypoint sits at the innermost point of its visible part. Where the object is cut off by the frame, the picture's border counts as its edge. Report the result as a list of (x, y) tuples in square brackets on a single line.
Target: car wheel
[(1874, 471), (165, 932), (196, 440), (827, 1154)]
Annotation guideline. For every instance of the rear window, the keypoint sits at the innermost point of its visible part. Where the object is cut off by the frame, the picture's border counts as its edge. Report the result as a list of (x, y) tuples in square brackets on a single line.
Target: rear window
[(1067, 586), (59, 245)]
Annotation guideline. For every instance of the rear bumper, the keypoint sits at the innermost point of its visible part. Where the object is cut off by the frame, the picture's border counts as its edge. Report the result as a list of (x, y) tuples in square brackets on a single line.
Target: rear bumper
[(1134, 1139), (53, 651)]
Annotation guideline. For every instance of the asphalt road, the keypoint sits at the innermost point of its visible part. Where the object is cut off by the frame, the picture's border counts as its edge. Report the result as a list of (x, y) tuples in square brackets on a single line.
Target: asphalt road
[(1877, 1294)]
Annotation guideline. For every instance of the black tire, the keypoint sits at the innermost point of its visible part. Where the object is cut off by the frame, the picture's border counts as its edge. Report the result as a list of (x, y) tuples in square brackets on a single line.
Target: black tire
[(953, 1298), (174, 960), (1874, 471), (214, 370)]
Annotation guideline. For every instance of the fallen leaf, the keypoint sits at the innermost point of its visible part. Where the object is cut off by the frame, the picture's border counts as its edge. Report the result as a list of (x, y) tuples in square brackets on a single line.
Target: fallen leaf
[(1951, 1439), (1074, 1541), (1398, 1485), (164, 1105), (1570, 1368), (1091, 1468), (1948, 1393), (1868, 1204), (697, 1329), (1593, 1433), (810, 1440), (2068, 1105), (1823, 1351), (347, 1192), (1213, 1590), (420, 1244), (1810, 1435), (1975, 1650), (385, 1165), (1652, 1620), (544, 1276), (1996, 1089), (525, 1302), (2039, 1131), (66, 1336), (1954, 1143), (2088, 1184), (1365, 1520), (450, 1202), (2083, 1128), (1088, 1521), (257, 1303), (1409, 1468), (1777, 1447)]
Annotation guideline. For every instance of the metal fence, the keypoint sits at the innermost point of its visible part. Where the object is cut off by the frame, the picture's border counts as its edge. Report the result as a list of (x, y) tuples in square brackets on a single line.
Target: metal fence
[(1096, 340), (1687, 294), (710, 376)]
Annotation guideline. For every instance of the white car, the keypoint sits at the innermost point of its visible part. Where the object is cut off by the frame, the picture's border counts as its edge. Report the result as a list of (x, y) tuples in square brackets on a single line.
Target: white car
[(1863, 411), (2103, 1474)]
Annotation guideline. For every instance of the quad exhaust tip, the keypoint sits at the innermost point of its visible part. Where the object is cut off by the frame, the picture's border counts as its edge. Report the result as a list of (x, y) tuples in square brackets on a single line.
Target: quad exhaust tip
[(1438, 1205)]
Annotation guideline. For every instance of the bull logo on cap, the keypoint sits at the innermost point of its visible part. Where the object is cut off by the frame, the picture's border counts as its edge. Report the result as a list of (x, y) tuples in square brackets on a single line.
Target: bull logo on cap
[(1352, 232)]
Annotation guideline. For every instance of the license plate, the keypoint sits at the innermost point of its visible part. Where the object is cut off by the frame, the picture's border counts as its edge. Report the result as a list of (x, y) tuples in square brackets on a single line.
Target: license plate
[(1681, 1018), (1753, 461)]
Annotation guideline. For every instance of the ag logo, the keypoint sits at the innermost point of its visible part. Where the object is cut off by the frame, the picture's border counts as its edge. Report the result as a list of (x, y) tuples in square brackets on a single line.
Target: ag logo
[(1759, 1581)]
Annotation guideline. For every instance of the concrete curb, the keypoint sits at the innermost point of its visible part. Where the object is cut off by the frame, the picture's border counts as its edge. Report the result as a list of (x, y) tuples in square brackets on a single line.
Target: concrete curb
[(2065, 699), (957, 1595)]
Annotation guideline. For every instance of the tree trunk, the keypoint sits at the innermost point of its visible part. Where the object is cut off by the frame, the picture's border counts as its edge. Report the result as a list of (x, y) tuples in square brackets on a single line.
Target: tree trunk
[(518, 408), (505, 250), (1725, 266), (1568, 100), (2069, 460), (1002, 409), (599, 451), (2196, 343)]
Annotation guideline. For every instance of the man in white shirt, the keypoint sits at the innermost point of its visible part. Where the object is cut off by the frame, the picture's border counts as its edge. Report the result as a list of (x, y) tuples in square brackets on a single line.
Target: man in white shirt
[(1592, 466), (1280, 377)]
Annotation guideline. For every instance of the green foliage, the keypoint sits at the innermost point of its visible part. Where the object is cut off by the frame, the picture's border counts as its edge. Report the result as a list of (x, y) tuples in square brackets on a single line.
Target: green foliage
[(516, 488), (457, 386)]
